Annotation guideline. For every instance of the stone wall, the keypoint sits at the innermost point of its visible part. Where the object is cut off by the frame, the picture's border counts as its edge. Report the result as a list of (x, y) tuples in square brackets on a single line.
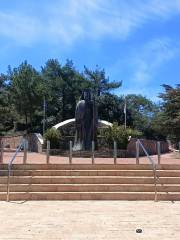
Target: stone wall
[(11, 141), (35, 145), (150, 146), (107, 151)]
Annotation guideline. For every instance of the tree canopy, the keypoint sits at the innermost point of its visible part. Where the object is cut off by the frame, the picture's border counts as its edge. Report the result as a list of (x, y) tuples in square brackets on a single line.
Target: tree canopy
[(24, 91), (171, 112)]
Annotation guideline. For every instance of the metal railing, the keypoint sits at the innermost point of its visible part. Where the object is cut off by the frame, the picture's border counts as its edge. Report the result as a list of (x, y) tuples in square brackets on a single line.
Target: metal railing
[(138, 143), (22, 145)]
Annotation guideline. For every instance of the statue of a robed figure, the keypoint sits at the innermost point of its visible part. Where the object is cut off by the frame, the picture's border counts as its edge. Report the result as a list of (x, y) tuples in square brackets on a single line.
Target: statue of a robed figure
[(86, 120)]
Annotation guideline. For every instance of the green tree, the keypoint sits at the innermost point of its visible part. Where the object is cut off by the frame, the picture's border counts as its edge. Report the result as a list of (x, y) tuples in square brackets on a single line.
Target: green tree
[(6, 115), (23, 89), (141, 110), (64, 85), (52, 75), (26, 89), (54, 136), (75, 83), (120, 135), (98, 81), (111, 108), (156, 129), (171, 109)]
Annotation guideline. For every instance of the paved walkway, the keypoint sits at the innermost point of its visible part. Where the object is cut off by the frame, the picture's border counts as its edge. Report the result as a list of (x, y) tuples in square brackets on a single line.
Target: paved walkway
[(92, 220), (168, 158)]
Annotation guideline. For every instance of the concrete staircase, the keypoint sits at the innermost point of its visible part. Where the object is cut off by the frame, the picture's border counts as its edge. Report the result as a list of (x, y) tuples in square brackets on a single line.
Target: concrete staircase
[(90, 182)]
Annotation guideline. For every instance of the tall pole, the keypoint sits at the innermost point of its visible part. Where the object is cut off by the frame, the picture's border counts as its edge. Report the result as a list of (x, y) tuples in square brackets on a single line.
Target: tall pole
[(125, 118), (44, 114), (93, 116), (95, 112)]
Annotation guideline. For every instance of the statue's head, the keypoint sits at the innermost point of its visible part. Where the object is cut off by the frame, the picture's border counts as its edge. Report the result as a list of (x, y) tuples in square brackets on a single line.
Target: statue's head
[(86, 95)]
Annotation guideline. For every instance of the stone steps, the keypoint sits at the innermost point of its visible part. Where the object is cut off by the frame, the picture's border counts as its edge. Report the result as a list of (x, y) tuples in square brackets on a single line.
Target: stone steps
[(90, 182), (26, 196), (89, 167), (143, 173), (89, 188)]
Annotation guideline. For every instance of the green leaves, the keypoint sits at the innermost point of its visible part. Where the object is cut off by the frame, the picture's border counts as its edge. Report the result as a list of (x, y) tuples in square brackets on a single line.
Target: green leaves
[(171, 112), (141, 112), (26, 92), (23, 89), (119, 134), (54, 136), (98, 81)]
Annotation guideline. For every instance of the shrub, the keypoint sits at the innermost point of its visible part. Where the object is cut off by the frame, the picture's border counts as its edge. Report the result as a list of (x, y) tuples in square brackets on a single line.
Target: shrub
[(133, 133), (53, 135), (120, 135)]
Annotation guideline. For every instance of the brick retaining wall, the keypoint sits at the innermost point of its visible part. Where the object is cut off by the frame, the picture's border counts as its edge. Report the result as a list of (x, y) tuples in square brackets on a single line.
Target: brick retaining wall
[(150, 146), (11, 141), (35, 145)]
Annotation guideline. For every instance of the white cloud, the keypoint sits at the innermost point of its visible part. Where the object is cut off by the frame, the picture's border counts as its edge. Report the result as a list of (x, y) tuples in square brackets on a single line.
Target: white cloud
[(140, 68), (94, 19), (66, 21), (151, 57), (19, 28)]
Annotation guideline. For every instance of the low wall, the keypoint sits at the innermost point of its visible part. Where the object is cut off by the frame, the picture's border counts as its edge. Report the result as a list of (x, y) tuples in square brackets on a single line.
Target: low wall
[(36, 146), (107, 151), (150, 146), (11, 141)]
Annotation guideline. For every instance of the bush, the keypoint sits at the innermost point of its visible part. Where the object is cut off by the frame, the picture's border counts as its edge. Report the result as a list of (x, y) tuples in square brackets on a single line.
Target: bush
[(133, 133), (53, 135), (120, 135)]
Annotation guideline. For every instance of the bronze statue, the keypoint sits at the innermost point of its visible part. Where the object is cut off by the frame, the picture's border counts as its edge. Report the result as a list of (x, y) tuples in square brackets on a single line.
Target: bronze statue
[(85, 122)]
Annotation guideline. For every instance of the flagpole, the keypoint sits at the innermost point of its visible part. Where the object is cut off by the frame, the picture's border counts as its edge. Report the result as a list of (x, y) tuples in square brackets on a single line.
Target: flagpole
[(125, 119), (44, 114)]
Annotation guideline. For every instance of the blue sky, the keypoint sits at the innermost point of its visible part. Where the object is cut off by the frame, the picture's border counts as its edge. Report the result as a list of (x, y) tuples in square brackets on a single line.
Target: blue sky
[(136, 41)]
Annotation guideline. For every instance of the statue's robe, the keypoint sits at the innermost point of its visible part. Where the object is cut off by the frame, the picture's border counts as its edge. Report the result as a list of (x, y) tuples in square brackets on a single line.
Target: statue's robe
[(86, 125)]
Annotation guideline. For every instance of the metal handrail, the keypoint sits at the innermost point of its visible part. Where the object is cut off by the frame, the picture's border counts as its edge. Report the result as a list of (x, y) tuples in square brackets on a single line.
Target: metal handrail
[(154, 168), (10, 166)]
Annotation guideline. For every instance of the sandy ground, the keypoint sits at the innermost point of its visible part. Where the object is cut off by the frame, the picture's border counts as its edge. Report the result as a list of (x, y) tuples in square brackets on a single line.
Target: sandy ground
[(79, 220), (76, 220)]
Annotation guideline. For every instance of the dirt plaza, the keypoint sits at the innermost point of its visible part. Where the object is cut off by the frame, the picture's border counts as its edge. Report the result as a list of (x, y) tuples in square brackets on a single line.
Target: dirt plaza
[(79, 220), (32, 157)]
